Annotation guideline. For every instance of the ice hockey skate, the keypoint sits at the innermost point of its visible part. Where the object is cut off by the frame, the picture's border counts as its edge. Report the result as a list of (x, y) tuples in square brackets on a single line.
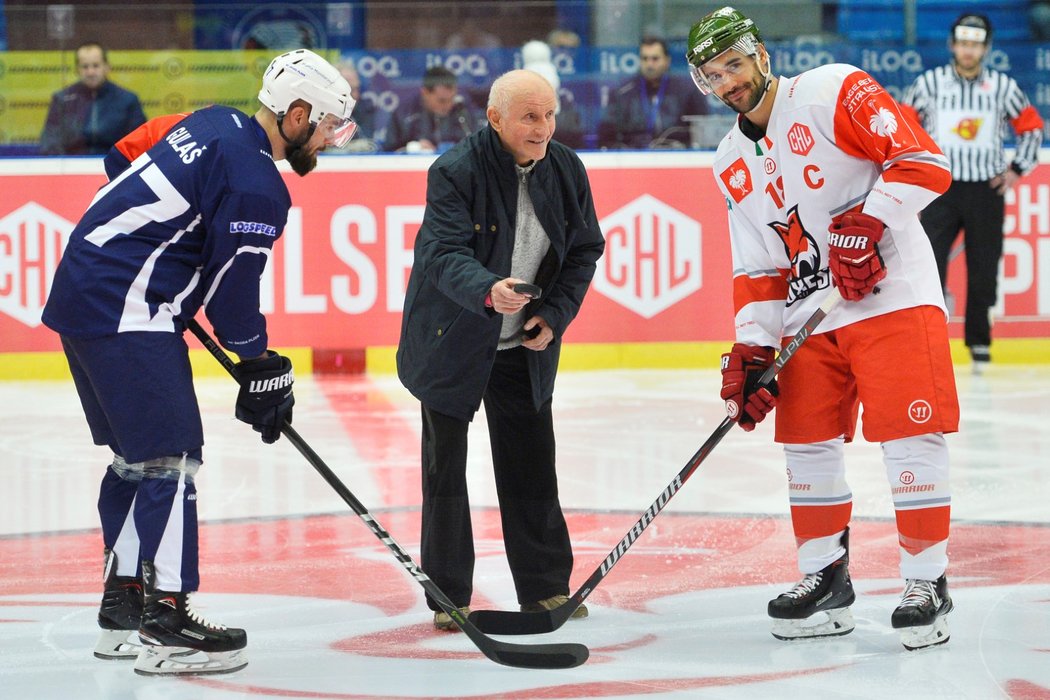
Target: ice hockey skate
[(818, 605), (119, 614), (922, 614), (170, 626)]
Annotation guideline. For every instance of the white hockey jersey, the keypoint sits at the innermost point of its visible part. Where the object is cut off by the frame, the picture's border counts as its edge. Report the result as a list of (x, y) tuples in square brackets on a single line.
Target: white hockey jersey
[(836, 140)]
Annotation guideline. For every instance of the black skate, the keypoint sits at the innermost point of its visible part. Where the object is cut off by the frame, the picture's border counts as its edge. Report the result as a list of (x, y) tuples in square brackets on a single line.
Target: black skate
[(170, 626), (922, 615), (818, 605), (119, 614)]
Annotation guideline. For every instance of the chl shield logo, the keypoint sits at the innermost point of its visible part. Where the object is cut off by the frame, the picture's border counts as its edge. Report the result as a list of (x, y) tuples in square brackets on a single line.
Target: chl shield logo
[(737, 179), (31, 242), (652, 256), (801, 248), (800, 139)]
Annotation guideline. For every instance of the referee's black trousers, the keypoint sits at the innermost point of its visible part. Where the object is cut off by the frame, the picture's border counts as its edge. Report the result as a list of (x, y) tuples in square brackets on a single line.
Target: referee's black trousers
[(977, 210), (534, 531)]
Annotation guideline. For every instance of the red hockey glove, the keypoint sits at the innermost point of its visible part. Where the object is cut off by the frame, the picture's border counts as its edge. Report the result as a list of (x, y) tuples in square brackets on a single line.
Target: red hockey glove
[(742, 367), (853, 254)]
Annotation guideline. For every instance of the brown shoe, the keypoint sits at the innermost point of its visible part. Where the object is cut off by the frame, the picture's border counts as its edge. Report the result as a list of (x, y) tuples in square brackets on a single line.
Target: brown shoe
[(444, 622), (555, 601)]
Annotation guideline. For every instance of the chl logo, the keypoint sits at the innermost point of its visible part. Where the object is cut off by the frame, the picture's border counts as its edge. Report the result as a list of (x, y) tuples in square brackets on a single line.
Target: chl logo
[(652, 256), (31, 242), (800, 139)]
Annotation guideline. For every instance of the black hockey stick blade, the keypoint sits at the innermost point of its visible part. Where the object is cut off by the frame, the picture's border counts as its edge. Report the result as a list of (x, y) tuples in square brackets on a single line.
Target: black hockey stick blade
[(549, 656), (509, 622)]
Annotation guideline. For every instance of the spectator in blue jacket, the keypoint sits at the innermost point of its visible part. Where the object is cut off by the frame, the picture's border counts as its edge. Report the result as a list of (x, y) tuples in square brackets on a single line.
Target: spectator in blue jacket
[(648, 110), (90, 116)]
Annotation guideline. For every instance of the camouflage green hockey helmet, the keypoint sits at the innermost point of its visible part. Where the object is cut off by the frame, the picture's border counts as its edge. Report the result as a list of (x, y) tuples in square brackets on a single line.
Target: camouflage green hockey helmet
[(715, 34)]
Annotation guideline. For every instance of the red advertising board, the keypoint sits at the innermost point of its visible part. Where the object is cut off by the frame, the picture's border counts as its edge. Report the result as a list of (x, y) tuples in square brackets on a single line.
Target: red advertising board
[(339, 272)]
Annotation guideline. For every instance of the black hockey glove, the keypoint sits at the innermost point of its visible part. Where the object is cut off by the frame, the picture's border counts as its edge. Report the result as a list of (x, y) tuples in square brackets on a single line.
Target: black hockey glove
[(265, 400)]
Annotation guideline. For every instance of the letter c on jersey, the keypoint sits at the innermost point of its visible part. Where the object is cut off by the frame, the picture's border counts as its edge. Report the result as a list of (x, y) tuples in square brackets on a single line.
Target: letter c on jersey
[(813, 180)]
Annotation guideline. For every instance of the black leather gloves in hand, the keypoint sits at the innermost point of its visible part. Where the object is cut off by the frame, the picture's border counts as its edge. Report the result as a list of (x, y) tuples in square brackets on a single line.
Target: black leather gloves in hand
[(265, 400), (742, 367)]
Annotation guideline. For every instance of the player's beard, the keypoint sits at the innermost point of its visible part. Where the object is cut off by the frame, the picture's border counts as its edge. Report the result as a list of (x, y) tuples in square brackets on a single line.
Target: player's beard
[(300, 158), (757, 91)]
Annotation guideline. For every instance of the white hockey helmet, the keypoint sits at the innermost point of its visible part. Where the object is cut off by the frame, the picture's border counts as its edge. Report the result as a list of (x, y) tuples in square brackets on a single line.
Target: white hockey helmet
[(303, 75)]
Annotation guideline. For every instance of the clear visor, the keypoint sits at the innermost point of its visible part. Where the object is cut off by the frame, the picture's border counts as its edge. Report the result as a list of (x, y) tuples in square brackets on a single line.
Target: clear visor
[(336, 131), (711, 79), (700, 79)]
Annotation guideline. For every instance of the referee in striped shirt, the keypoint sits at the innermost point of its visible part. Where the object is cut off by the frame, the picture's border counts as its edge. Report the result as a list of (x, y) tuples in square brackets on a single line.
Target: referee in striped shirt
[(965, 107)]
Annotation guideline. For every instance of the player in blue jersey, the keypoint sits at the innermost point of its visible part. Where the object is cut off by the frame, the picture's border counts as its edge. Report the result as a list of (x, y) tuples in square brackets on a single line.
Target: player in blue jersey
[(187, 224)]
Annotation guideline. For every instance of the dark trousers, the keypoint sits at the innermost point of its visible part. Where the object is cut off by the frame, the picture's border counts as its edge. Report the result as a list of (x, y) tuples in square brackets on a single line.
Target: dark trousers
[(978, 210), (534, 531)]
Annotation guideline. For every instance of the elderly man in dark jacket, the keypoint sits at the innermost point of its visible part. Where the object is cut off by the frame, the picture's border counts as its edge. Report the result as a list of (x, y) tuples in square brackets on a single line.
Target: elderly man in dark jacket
[(506, 206)]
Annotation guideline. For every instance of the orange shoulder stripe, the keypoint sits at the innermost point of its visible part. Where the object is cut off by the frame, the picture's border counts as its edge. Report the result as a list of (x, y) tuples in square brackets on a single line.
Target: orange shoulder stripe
[(869, 124), (146, 136)]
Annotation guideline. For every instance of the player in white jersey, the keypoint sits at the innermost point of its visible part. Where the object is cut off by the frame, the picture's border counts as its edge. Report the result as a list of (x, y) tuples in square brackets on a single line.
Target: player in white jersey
[(824, 179), (187, 221), (966, 108)]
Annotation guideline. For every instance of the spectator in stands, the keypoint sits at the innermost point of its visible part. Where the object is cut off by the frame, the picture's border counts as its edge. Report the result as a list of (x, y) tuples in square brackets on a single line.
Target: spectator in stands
[(364, 113), (472, 34), (966, 106), (563, 39), (440, 119), (647, 111), (1039, 19), (91, 115)]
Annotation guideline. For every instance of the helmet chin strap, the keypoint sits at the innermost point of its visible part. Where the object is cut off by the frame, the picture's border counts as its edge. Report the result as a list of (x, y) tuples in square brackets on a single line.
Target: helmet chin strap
[(765, 91), (290, 142)]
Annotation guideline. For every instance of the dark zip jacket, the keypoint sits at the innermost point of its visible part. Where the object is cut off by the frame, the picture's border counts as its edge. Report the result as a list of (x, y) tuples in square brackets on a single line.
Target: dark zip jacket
[(464, 246)]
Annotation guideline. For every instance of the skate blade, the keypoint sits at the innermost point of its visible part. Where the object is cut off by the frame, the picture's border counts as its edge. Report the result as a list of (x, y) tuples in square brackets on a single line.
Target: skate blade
[(166, 661), (114, 645), (915, 638), (828, 623), (124, 645)]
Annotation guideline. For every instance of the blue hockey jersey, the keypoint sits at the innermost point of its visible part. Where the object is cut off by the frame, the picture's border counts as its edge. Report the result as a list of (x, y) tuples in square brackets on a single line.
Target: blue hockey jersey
[(189, 223)]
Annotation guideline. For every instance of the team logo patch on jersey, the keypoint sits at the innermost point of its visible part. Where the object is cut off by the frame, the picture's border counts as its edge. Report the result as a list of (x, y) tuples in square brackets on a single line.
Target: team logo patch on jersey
[(737, 179), (253, 227), (920, 411), (967, 129), (800, 139), (807, 275), (883, 122)]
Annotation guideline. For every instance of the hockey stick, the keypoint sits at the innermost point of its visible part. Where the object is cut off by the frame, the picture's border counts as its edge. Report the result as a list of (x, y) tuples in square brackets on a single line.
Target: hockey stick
[(519, 655), (508, 622)]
